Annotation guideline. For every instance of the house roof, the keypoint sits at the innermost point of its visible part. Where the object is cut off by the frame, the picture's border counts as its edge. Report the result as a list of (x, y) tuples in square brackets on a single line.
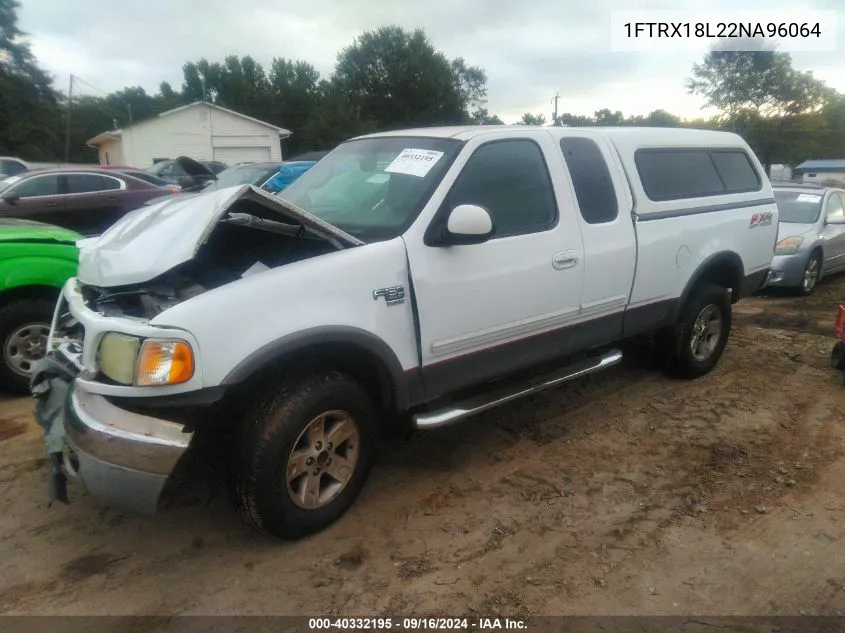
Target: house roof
[(116, 134), (823, 165)]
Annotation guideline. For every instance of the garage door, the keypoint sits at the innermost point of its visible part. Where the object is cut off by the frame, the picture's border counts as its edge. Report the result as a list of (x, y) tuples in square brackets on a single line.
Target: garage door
[(232, 155)]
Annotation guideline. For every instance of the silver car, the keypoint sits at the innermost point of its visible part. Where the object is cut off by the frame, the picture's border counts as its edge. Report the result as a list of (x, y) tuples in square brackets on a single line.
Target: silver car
[(811, 235)]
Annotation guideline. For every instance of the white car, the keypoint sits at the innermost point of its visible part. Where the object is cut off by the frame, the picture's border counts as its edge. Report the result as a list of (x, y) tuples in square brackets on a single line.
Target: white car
[(412, 277)]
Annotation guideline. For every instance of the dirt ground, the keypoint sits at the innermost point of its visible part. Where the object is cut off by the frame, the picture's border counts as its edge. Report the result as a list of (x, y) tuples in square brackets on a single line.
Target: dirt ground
[(627, 493)]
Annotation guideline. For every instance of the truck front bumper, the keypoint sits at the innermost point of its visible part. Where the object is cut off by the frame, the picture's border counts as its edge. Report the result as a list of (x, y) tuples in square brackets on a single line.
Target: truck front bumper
[(122, 458)]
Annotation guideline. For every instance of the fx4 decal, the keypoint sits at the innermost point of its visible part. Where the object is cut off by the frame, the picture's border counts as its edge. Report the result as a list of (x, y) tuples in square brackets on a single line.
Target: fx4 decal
[(761, 219), (392, 295)]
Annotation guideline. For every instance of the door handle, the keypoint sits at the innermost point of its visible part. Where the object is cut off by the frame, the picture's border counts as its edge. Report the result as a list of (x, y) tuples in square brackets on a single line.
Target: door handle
[(50, 205), (565, 259)]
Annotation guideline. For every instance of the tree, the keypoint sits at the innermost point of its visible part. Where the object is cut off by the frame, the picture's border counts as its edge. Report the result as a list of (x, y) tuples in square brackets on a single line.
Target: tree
[(294, 96), (661, 118), (574, 120), (399, 79), (761, 93), (335, 118), (532, 119), (482, 117), (29, 112), (472, 84), (606, 117)]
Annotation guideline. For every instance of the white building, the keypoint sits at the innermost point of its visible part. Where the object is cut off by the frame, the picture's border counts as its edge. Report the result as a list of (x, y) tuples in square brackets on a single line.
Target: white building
[(201, 130)]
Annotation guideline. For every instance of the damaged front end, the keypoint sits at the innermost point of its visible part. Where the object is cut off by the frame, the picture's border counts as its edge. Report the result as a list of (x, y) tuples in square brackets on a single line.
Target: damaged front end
[(150, 261)]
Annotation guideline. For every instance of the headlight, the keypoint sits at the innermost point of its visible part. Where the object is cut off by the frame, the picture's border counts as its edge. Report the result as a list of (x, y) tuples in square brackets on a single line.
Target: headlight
[(130, 360), (788, 245), (164, 362), (117, 355)]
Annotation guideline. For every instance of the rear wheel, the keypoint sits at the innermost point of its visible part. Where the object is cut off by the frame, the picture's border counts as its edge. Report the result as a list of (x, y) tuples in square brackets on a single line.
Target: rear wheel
[(811, 274), (693, 346), (24, 329), (304, 454)]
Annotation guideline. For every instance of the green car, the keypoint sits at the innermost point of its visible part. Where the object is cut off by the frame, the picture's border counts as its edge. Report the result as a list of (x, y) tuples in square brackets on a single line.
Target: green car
[(35, 261)]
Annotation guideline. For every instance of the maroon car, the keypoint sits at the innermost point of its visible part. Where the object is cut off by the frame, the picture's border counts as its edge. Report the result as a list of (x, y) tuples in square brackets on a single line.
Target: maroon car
[(85, 200)]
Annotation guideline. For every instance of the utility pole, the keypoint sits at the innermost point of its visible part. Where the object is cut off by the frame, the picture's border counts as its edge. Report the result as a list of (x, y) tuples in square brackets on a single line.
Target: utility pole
[(555, 100), (129, 108), (67, 121)]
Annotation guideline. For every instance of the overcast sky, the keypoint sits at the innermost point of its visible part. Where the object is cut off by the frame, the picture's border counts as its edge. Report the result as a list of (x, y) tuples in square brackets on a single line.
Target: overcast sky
[(530, 49)]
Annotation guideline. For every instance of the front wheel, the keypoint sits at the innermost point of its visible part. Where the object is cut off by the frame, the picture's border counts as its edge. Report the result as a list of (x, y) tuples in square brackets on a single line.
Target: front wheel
[(693, 346), (24, 329), (811, 275), (304, 454)]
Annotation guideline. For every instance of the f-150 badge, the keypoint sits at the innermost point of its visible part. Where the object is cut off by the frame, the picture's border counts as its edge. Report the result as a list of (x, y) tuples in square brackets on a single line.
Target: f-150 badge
[(392, 295), (761, 219)]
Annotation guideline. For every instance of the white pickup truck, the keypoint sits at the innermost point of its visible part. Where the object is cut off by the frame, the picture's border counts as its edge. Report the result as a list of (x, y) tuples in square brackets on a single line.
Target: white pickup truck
[(412, 277)]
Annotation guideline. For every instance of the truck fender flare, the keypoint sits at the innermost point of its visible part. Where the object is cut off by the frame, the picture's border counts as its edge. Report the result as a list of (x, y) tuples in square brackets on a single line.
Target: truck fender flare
[(722, 261), (401, 383)]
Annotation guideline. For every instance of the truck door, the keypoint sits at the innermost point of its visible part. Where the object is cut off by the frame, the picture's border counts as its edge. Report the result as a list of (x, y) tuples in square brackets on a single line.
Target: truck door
[(513, 301), (603, 210)]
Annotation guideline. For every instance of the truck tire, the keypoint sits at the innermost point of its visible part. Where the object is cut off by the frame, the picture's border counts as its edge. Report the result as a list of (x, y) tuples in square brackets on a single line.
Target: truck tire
[(24, 328), (693, 346), (304, 454)]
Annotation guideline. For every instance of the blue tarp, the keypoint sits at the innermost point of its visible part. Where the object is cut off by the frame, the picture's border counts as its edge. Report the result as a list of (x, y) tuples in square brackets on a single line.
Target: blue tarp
[(287, 174)]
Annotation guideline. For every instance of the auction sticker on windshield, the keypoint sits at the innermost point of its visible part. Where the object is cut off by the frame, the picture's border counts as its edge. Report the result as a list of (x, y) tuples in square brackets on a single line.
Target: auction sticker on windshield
[(808, 198), (414, 162)]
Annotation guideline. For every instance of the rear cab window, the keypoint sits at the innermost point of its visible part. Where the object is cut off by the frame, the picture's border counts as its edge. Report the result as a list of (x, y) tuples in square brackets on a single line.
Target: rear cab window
[(679, 173), (591, 180)]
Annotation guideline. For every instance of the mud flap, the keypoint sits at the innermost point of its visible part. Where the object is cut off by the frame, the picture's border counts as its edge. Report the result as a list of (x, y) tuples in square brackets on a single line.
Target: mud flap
[(50, 385)]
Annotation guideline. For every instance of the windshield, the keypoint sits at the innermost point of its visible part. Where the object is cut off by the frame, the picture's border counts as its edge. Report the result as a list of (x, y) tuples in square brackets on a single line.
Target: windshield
[(373, 188), (5, 183), (796, 207), (235, 176)]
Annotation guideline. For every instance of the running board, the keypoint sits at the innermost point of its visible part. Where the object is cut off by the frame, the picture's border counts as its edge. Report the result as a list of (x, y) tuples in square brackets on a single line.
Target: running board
[(461, 410)]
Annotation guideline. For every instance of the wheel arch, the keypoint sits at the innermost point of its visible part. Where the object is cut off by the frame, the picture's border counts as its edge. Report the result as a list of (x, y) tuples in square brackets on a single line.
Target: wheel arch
[(351, 350), (34, 291), (724, 268), (817, 247)]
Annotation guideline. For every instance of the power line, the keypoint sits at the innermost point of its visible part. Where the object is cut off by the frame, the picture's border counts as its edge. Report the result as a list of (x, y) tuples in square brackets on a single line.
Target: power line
[(90, 85)]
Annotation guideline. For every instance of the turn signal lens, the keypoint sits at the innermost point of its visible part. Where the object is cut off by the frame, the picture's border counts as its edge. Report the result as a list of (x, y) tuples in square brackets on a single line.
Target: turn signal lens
[(788, 245), (164, 362)]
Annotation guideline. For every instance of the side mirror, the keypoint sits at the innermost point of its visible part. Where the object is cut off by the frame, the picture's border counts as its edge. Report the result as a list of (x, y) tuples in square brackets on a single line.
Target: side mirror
[(10, 198), (836, 221), (468, 224)]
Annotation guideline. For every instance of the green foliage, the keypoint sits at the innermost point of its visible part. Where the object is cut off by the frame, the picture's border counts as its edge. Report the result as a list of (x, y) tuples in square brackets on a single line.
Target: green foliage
[(532, 119), (784, 114), (391, 78), (399, 79), (482, 117)]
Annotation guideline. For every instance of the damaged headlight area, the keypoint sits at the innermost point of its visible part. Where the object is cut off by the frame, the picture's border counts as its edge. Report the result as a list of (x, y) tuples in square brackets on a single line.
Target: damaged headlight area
[(131, 360), (117, 357)]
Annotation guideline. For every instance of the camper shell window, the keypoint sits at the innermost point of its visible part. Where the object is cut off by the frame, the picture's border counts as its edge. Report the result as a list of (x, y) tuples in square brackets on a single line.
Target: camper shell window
[(695, 172)]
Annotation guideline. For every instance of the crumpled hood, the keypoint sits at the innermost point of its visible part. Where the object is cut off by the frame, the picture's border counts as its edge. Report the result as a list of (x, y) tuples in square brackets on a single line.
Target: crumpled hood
[(789, 229), (151, 240)]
